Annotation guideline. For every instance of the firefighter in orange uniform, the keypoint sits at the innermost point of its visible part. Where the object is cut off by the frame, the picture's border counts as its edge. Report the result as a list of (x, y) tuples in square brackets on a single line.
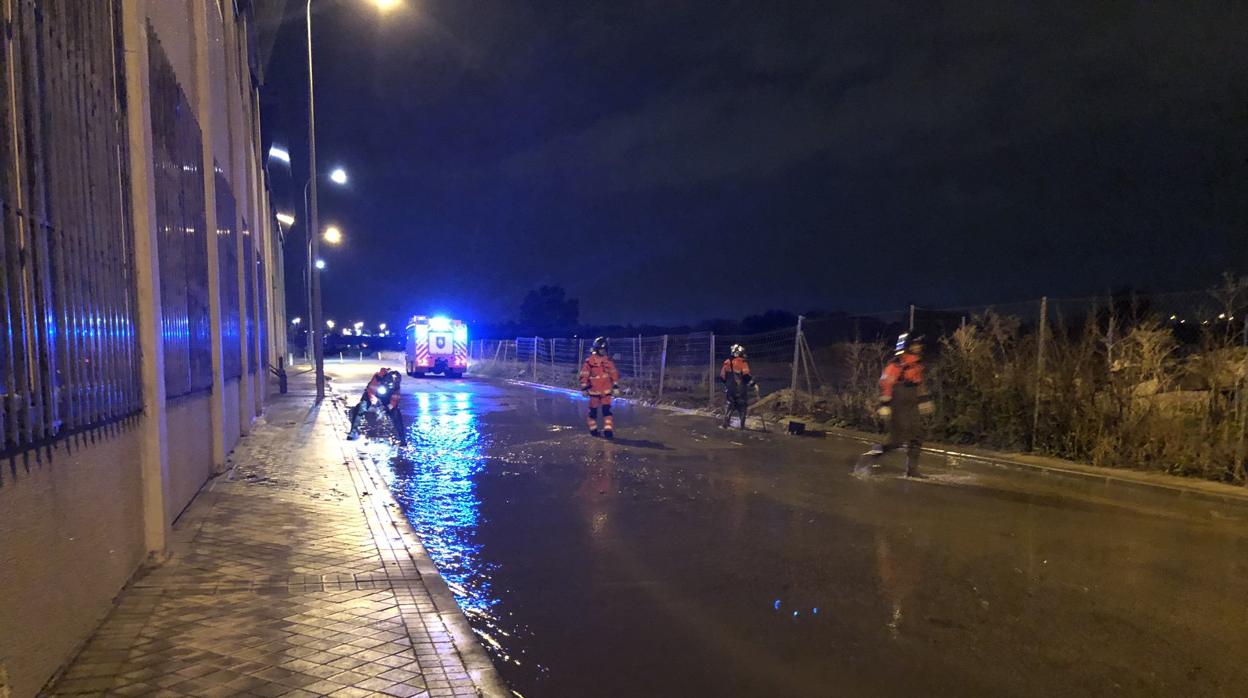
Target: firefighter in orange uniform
[(735, 375), (600, 381), (903, 399)]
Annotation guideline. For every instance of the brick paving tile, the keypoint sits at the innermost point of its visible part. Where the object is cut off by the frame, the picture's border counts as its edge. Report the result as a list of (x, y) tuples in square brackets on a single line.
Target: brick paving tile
[(276, 586)]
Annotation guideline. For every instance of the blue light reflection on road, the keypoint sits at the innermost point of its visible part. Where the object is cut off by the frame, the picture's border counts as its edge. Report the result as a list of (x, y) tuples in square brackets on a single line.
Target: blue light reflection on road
[(433, 480)]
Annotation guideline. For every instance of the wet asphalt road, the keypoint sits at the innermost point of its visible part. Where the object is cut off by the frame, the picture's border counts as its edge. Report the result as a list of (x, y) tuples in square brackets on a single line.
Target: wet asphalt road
[(681, 560)]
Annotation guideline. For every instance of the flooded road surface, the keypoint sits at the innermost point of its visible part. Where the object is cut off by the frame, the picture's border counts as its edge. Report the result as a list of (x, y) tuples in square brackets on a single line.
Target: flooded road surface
[(681, 560)]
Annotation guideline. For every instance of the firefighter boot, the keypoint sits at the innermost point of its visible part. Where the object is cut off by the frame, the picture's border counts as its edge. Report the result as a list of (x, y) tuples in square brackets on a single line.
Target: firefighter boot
[(608, 422), (593, 421), (912, 461)]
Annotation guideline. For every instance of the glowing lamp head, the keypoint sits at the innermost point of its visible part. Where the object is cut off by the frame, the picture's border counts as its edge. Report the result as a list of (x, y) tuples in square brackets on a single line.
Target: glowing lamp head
[(338, 176), (320, 264)]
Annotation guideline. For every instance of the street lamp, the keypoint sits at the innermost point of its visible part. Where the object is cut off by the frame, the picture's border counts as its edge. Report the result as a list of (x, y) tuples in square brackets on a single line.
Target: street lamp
[(387, 5), (279, 153), (382, 327), (285, 219), (333, 235), (338, 176), (296, 321), (320, 264), (329, 324)]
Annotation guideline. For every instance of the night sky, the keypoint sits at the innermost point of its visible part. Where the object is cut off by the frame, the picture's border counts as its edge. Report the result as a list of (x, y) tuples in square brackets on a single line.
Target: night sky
[(669, 162)]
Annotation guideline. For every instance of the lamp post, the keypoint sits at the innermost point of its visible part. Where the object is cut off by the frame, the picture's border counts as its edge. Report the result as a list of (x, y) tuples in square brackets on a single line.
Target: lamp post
[(338, 176)]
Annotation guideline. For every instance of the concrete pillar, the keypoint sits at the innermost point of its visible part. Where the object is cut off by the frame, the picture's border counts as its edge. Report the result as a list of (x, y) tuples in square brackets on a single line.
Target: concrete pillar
[(209, 95), (154, 449), (230, 104)]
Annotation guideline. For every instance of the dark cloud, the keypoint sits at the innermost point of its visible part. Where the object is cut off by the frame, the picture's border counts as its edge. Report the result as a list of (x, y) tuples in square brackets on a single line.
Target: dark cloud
[(671, 161)]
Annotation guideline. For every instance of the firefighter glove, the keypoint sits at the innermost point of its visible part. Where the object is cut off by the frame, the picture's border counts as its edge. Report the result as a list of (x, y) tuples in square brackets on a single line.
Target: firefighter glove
[(885, 411)]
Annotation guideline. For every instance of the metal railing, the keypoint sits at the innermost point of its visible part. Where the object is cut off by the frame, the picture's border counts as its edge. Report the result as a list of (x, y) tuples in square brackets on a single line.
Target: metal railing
[(227, 261), (69, 360), (183, 237)]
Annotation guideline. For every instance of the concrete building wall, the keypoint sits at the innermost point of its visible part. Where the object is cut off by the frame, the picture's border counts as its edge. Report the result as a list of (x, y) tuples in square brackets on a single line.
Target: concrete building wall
[(233, 414), (190, 450), (71, 534), (79, 515)]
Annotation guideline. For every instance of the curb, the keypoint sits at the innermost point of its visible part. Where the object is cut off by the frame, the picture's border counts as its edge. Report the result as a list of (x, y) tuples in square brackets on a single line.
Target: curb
[(377, 501)]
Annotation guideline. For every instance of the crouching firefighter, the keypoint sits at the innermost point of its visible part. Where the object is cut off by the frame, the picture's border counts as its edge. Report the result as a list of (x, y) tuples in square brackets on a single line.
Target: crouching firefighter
[(735, 375), (903, 401), (382, 395), (600, 381)]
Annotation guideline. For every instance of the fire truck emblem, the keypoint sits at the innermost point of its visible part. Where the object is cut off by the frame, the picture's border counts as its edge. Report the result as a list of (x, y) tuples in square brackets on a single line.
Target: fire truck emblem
[(441, 342)]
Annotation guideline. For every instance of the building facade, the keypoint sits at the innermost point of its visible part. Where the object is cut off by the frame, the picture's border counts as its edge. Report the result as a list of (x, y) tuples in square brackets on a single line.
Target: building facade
[(140, 295)]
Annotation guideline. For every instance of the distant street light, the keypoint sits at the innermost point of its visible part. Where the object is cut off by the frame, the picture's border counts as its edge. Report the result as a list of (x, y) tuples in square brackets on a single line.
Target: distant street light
[(278, 153), (387, 5), (382, 327), (285, 219), (296, 321), (333, 235), (320, 264), (358, 326), (338, 176), (329, 324)]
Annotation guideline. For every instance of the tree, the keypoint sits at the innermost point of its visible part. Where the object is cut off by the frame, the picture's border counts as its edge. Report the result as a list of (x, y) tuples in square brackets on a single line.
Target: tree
[(548, 311)]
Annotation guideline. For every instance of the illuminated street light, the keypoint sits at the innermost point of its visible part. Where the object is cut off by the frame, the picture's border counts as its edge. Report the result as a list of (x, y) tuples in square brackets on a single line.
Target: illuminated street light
[(285, 219), (338, 176), (382, 327), (333, 235), (279, 154), (387, 5), (329, 324), (296, 321), (358, 326), (320, 264)]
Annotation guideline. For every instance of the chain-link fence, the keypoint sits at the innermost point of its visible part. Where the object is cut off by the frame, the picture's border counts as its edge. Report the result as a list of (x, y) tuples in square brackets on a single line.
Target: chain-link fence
[(1154, 381)]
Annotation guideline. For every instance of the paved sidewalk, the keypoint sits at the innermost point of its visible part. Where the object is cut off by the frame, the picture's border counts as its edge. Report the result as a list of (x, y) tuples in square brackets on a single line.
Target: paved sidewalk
[(293, 576)]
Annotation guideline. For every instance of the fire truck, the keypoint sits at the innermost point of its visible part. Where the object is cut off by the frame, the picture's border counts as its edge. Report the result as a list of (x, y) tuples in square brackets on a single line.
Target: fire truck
[(436, 345)]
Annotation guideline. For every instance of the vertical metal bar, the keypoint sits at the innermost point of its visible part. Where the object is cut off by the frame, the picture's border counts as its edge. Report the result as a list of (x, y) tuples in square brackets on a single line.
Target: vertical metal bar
[(35, 260), (1040, 339), (535, 359), (911, 329), (710, 377), (662, 367), (797, 344), (89, 205), (637, 362)]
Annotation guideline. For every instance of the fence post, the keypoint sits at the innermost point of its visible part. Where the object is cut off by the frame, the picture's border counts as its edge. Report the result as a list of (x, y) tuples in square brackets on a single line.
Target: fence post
[(1040, 337), (552, 353), (911, 329), (797, 348), (637, 361), (662, 367), (535, 359), (710, 378)]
